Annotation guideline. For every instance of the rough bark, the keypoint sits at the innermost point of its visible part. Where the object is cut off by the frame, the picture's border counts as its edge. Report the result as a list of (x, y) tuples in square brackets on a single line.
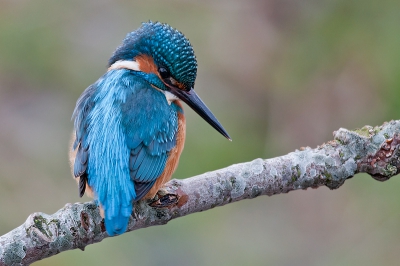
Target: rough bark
[(372, 150)]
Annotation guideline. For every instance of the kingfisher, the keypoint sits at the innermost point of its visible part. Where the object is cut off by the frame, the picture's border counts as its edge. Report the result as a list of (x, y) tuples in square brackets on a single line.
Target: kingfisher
[(129, 126)]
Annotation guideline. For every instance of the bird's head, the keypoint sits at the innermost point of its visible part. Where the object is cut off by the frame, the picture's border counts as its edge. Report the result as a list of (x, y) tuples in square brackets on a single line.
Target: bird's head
[(165, 58)]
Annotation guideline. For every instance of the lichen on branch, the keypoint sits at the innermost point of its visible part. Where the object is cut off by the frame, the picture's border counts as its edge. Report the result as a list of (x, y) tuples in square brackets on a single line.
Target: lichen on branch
[(372, 150)]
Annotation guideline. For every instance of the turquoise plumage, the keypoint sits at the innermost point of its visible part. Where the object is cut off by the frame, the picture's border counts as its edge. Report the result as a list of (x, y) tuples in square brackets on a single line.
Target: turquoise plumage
[(129, 125)]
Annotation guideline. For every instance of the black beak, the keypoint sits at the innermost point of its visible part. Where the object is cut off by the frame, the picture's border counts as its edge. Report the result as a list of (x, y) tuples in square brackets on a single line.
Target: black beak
[(193, 100)]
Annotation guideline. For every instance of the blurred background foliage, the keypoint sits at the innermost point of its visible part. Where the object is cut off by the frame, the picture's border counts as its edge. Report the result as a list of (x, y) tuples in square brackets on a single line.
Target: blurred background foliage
[(279, 74)]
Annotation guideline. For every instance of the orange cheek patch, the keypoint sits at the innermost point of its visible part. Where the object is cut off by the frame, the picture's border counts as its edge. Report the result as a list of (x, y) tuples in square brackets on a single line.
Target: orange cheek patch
[(146, 64), (181, 86)]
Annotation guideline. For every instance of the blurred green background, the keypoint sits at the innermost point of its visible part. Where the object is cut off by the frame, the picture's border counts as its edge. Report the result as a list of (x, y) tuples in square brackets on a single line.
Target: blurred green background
[(279, 74)]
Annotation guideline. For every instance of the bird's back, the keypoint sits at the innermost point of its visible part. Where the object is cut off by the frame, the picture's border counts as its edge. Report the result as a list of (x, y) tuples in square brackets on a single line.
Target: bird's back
[(125, 132)]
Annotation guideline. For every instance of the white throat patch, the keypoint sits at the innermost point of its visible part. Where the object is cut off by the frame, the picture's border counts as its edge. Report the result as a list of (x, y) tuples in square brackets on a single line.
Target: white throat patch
[(132, 65), (170, 97)]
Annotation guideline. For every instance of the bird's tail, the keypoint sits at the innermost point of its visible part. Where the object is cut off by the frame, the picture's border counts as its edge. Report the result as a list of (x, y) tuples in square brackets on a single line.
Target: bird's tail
[(116, 199), (116, 221)]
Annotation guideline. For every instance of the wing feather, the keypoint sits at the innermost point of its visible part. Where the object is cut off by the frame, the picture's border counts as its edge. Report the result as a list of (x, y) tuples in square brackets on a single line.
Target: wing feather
[(82, 109), (142, 188), (151, 136)]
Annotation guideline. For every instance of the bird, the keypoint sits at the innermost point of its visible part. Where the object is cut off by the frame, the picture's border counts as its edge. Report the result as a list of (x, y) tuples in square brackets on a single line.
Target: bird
[(130, 127)]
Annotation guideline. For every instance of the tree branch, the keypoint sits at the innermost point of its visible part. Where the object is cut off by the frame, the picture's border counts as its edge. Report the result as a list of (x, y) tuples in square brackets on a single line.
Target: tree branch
[(368, 150)]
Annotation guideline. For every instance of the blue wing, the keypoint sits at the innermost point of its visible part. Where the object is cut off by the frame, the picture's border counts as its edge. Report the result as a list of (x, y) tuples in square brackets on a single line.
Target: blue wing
[(125, 130), (149, 152), (83, 107)]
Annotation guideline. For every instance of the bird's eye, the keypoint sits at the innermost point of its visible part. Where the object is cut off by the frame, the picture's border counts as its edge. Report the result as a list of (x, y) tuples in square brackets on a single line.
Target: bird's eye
[(164, 73)]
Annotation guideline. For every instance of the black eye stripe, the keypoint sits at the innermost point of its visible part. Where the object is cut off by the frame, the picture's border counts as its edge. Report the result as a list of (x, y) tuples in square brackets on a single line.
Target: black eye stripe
[(166, 76), (164, 73)]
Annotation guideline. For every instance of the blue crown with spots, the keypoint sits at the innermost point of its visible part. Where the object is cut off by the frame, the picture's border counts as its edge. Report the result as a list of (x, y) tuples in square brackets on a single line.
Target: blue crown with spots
[(167, 46)]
